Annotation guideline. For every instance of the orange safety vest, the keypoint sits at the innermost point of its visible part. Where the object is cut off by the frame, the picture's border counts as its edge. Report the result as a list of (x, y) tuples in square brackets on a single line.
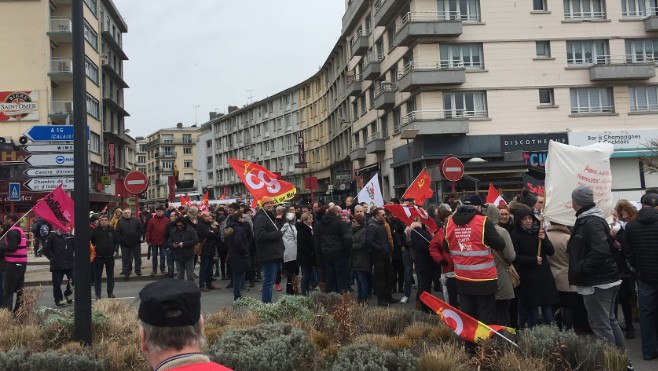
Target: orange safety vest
[(20, 255), (472, 258)]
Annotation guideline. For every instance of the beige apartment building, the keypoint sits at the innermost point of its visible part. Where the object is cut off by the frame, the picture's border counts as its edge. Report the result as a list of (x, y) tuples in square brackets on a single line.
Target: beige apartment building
[(36, 87), (171, 152), (410, 82)]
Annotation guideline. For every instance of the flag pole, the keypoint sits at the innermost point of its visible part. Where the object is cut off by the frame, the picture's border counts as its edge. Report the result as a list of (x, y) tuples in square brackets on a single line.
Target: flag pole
[(541, 227), (19, 220), (501, 335)]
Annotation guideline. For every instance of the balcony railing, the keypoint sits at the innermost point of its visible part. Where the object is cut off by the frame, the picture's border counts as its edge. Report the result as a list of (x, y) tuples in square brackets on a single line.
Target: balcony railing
[(360, 33), (60, 24), (372, 58), (61, 65), (358, 145), (378, 135), (427, 17), (386, 88), (62, 107), (165, 154), (593, 109), (585, 15), (434, 115), (444, 64)]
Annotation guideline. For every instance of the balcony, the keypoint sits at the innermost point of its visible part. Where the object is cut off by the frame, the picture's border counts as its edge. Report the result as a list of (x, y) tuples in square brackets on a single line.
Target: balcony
[(651, 21), (431, 122), (60, 30), (386, 10), (114, 44), (376, 143), (61, 70), (61, 108), (358, 152), (428, 27), (630, 67), (354, 85), (115, 104), (385, 95), (350, 18), (165, 155), (109, 70), (360, 43), (416, 75), (371, 66)]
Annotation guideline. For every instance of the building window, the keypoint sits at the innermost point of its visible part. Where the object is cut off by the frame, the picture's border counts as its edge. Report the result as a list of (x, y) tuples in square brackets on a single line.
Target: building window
[(94, 142), (390, 34), (543, 49), (458, 55), (644, 98), (587, 52), (638, 8), (591, 100), (584, 9), (92, 5), (465, 104), (91, 36), (187, 138), (208, 161), (141, 159), (91, 70), (463, 10), (167, 138), (546, 97), (641, 51), (539, 5), (93, 108), (209, 175), (167, 165)]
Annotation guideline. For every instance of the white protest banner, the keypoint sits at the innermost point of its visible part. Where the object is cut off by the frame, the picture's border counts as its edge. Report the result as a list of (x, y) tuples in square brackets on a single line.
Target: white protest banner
[(371, 193), (568, 167)]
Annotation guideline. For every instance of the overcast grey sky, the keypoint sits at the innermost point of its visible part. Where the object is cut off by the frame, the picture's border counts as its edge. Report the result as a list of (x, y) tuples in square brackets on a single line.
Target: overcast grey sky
[(210, 53)]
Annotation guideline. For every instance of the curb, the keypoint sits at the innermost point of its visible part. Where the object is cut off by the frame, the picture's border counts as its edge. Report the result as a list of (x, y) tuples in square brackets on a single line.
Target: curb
[(47, 262), (145, 278)]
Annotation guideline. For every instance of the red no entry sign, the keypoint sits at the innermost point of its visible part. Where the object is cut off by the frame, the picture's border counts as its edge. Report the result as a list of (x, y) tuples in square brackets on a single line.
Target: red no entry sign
[(135, 182), (452, 168)]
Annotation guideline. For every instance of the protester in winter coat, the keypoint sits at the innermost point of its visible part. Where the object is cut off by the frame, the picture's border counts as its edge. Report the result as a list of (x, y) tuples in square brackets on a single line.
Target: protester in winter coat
[(360, 258), (425, 266), (290, 266), (155, 231), (626, 213), (506, 220), (238, 250), (378, 246), (334, 239), (118, 214), (305, 250), (568, 304), (168, 250), (59, 250), (537, 287), (269, 246), (104, 240), (207, 235), (129, 233), (182, 241)]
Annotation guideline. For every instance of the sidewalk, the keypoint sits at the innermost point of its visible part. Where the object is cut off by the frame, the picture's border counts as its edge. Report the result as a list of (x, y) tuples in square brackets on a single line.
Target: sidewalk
[(38, 270)]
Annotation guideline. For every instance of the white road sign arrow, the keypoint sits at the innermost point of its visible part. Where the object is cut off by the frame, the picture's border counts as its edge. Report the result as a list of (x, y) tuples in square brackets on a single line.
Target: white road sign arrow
[(56, 171), (48, 184), (60, 148), (52, 159)]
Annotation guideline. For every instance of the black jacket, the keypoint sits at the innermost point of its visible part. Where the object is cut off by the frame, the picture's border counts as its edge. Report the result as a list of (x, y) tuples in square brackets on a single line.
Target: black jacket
[(207, 234), (640, 244), (589, 248), (305, 246), (104, 240), (188, 237), (268, 238), (420, 245), (238, 246), (59, 250), (377, 241), (129, 232), (360, 255), (334, 237)]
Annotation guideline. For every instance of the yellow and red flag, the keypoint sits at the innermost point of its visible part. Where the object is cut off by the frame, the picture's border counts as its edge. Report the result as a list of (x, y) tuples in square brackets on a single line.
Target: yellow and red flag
[(261, 182), (420, 189), (467, 327)]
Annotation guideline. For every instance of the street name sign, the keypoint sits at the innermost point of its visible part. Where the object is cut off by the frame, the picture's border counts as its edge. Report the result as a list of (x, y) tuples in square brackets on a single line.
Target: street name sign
[(52, 159), (51, 133), (56, 171), (47, 184), (61, 148)]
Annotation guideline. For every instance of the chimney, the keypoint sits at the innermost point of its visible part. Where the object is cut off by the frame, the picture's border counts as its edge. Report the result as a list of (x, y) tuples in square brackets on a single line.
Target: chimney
[(232, 109), (213, 115), (179, 125)]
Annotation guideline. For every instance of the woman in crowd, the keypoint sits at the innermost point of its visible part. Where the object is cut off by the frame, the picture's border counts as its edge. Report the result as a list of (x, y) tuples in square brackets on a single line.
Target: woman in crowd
[(627, 296), (290, 267), (237, 241), (118, 214), (559, 236), (305, 250), (506, 221), (360, 258), (425, 266)]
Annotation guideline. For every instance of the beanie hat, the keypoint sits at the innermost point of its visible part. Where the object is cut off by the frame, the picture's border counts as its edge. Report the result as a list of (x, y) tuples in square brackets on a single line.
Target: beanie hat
[(582, 196), (527, 198)]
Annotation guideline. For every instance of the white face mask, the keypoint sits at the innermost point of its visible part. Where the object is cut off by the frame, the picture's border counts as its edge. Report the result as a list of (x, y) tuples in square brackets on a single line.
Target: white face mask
[(290, 217)]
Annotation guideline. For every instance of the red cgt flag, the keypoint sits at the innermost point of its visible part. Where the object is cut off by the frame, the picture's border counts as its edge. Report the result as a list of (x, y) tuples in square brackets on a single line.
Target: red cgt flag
[(408, 214), (261, 182), (420, 189), (467, 327), (57, 209), (493, 197)]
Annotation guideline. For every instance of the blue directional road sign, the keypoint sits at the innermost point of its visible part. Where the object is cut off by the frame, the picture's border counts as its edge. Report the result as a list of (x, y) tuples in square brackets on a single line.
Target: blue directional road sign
[(51, 133), (14, 191)]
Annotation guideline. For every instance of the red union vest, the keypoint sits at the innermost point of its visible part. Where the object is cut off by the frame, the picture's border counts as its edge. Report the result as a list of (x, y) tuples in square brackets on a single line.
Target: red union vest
[(20, 255), (473, 259)]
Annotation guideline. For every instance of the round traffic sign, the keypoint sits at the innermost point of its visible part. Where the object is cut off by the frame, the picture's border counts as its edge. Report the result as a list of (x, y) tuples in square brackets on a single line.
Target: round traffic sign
[(452, 168), (135, 182)]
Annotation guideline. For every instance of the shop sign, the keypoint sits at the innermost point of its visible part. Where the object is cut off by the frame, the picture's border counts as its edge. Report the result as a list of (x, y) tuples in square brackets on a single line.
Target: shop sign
[(620, 139), (530, 142)]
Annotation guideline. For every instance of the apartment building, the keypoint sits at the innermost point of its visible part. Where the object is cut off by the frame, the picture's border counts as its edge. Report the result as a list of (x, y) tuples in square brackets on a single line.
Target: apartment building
[(140, 153), (36, 87), (171, 152)]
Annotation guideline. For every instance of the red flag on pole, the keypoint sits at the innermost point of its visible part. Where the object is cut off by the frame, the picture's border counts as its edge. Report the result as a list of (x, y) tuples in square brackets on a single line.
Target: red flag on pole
[(493, 197), (408, 214), (420, 189), (57, 209), (467, 327), (261, 182)]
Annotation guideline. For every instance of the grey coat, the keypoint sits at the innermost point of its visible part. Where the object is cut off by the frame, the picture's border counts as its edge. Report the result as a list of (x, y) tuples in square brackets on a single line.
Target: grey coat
[(505, 288)]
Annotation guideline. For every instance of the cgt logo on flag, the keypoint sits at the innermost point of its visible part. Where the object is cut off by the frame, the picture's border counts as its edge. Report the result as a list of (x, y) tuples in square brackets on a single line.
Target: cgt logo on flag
[(261, 182)]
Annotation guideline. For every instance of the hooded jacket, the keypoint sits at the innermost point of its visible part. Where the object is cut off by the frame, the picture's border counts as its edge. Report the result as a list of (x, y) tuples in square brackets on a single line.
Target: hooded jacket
[(590, 259), (505, 287), (641, 244), (334, 237)]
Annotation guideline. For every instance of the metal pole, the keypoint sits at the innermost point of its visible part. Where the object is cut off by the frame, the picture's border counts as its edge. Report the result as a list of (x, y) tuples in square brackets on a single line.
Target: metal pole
[(82, 319)]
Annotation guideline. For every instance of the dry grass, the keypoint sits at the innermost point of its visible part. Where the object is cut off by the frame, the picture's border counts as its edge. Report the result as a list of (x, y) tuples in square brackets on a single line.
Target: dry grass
[(321, 340), (343, 315), (385, 321), (385, 342), (121, 324), (446, 357), (29, 298), (121, 356), (512, 361)]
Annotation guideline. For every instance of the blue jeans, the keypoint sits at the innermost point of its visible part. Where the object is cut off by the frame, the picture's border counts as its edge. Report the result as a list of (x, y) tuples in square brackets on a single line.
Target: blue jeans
[(269, 276), (408, 271), (205, 271), (170, 262), (307, 272), (238, 279), (154, 258), (336, 275), (648, 296), (362, 287), (528, 315)]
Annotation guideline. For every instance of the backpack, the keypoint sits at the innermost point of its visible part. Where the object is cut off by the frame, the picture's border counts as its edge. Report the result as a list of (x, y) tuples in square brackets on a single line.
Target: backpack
[(44, 229)]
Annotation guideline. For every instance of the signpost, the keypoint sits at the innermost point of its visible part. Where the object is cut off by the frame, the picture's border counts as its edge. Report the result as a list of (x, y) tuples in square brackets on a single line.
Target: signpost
[(59, 148), (48, 184), (14, 194), (136, 183), (452, 169), (55, 171), (51, 133), (50, 159)]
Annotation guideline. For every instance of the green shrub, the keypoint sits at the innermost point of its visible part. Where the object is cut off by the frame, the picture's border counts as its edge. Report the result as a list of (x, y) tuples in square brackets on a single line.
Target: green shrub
[(278, 346), (287, 308), (57, 361), (13, 359), (366, 357)]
